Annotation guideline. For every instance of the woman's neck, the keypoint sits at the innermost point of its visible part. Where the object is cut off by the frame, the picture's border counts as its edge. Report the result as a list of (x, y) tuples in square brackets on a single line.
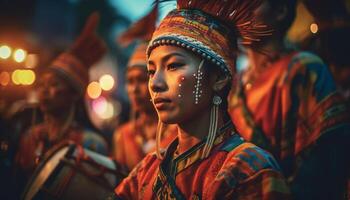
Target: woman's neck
[(195, 130)]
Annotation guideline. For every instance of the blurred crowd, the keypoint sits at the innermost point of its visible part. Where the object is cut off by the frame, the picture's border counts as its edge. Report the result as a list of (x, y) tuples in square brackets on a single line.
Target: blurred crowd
[(288, 102)]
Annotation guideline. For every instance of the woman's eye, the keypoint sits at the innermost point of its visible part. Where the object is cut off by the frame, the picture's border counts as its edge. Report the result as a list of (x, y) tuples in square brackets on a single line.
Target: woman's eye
[(173, 66), (150, 72)]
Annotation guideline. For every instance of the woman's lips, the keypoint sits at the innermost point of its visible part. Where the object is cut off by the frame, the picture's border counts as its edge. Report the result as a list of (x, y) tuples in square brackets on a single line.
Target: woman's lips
[(161, 103)]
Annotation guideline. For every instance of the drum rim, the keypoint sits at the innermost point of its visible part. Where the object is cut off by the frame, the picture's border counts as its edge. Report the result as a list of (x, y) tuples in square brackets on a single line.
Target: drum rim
[(47, 156)]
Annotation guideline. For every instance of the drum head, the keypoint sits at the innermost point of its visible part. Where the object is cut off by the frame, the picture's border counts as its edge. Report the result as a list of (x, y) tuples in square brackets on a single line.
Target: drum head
[(72, 172), (44, 170)]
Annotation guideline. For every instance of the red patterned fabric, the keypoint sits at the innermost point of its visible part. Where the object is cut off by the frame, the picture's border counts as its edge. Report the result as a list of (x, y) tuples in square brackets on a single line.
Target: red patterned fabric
[(234, 170), (294, 110), (36, 142)]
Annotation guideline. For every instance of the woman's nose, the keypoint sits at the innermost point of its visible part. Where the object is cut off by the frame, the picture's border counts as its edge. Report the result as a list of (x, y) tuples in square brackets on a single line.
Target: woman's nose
[(157, 82)]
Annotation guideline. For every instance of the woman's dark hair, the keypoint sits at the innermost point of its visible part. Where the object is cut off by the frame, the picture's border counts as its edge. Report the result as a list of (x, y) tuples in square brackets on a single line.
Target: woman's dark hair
[(212, 69)]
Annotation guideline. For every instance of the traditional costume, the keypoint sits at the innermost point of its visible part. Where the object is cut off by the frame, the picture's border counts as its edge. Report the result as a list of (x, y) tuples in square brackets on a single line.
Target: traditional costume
[(223, 165), (293, 110), (72, 66)]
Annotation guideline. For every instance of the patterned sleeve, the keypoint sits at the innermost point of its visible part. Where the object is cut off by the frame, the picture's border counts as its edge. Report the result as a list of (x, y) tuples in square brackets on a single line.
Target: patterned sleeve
[(252, 173), (129, 187), (267, 184), (321, 129), (317, 105)]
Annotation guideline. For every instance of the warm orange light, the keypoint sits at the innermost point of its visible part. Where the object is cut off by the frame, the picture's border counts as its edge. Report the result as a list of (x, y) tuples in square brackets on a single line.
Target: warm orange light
[(31, 61), (23, 77), (15, 77), (314, 28), (4, 78), (27, 77), (5, 52), (19, 55), (94, 90), (106, 82)]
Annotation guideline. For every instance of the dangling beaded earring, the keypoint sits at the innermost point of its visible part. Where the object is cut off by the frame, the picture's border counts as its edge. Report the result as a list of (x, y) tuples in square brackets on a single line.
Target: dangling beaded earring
[(199, 75), (213, 126)]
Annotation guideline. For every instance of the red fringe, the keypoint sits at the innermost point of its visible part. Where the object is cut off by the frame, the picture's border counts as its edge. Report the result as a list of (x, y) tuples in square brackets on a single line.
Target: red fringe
[(238, 13)]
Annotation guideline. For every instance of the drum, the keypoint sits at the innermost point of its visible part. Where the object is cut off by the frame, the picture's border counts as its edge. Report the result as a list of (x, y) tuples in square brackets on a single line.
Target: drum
[(71, 172)]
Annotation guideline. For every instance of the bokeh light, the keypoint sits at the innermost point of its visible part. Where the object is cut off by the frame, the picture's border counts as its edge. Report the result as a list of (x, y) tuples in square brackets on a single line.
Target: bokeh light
[(106, 82), (15, 77), (94, 90), (314, 28), (19, 55), (99, 105), (23, 77), (109, 111), (27, 77), (31, 61), (103, 108), (4, 78), (5, 52)]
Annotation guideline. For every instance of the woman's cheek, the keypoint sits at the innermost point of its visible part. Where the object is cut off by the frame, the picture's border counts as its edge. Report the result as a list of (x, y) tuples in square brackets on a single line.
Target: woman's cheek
[(180, 83), (185, 87)]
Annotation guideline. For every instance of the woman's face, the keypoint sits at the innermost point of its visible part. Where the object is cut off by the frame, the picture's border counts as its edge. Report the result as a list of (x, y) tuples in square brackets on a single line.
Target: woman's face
[(55, 93), (137, 89), (173, 78)]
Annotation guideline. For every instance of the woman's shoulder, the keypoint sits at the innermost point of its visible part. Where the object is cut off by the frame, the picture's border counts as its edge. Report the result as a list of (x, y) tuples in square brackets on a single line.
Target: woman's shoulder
[(304, 62), (148, 164), (245, 159)]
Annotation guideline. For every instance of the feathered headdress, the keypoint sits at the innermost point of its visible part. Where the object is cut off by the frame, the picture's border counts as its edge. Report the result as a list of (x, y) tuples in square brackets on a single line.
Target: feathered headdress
[(211, 29), (88, 48)]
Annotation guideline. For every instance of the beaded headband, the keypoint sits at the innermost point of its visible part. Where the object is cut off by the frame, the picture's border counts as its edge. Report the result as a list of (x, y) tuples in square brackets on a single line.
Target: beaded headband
[(211, 29), (197, 32)]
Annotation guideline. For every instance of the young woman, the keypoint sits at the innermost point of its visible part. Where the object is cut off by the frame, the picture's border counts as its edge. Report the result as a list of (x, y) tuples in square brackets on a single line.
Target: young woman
[(190, 65), (287, 103)]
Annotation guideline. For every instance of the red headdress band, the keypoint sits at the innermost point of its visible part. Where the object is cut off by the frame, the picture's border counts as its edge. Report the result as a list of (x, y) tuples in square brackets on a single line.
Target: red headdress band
[(211, 29)]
